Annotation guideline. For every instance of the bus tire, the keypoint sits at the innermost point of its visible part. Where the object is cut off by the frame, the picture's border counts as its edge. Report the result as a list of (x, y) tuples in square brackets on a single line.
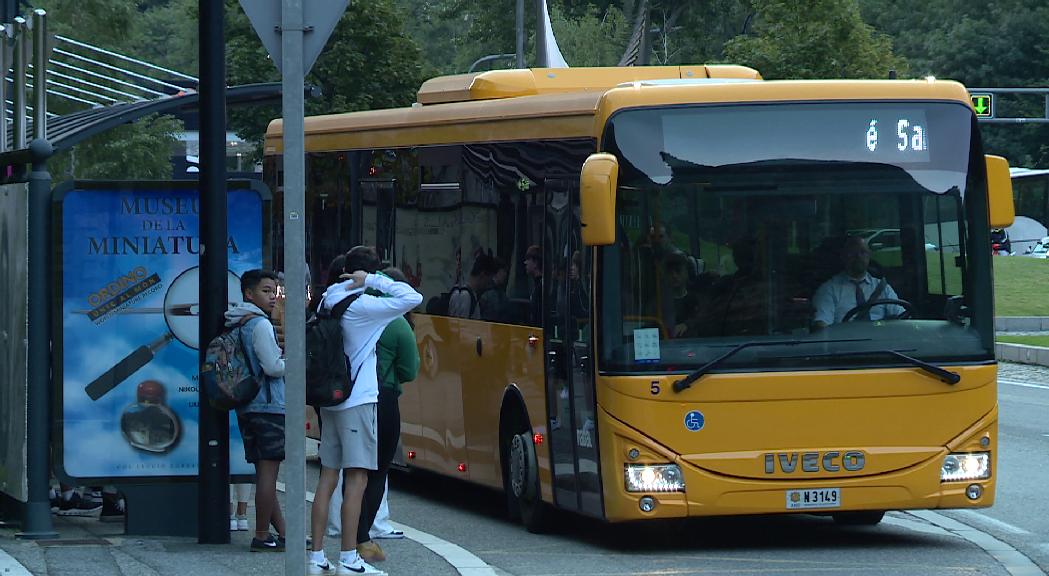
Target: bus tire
[(524, 483), (862, 518)]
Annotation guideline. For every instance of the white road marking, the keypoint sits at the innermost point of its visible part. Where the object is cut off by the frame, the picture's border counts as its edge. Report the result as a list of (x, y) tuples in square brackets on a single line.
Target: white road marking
[(10, 567), (1023, 384), (464, 562)]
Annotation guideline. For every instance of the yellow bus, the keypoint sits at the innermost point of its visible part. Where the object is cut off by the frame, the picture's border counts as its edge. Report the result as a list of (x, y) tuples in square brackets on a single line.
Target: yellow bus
[(645, 256)]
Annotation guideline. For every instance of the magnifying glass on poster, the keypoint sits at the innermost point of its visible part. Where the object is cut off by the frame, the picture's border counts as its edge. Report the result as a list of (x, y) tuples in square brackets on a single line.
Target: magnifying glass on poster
[(181, 314)]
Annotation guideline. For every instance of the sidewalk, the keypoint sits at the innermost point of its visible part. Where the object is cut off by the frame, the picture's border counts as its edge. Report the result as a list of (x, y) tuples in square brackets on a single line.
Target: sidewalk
[(88, 547)]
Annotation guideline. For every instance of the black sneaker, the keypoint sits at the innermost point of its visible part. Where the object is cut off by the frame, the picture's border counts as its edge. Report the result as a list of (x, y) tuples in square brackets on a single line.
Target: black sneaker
[(112, 508), (78, 506), (270, 544)]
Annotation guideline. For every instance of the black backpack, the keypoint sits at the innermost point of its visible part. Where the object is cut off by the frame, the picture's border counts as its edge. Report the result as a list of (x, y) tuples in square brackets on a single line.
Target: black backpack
[(328, 379)]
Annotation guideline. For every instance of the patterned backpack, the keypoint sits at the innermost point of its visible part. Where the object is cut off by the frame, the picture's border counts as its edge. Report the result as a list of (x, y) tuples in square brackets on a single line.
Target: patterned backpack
[(227, 377)]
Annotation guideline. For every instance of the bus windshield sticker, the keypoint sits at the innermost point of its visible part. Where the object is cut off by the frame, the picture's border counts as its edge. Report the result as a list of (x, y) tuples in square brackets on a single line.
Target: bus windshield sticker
[(694, 421), (646, 344)]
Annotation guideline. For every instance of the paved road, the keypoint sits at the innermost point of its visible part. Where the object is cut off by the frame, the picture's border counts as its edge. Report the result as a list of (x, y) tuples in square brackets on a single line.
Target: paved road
[(1020, 515), (905, 543)]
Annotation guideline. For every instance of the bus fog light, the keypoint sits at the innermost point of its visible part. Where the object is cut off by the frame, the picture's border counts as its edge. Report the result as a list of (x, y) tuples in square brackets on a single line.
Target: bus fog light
[(962, 466), (647, 504), (974, 491), (654, 478)]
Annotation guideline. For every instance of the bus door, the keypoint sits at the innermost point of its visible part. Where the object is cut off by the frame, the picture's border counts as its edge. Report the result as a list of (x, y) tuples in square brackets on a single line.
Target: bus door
[(569, 365)]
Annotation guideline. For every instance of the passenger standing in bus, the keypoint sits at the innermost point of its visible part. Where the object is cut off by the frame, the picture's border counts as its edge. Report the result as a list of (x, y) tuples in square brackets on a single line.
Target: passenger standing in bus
[(349, 437), (495, 305), (852, 289), (534, 268), (464, 300)]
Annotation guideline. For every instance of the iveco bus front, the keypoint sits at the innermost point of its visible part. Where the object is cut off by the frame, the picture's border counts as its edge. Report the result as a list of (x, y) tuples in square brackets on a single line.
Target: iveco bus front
[(724, 212)]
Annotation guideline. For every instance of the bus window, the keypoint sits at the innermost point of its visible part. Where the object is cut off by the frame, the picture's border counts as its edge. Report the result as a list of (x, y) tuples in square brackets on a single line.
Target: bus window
[(716, 255)]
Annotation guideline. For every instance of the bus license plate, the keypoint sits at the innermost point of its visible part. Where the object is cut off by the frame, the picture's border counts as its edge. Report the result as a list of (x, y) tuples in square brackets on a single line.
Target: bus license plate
[(813, 498)]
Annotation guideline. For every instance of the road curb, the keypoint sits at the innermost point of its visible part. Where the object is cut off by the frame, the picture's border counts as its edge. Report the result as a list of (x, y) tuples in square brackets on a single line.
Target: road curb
[(1014, 561), (1021, 353), (1021, 324)]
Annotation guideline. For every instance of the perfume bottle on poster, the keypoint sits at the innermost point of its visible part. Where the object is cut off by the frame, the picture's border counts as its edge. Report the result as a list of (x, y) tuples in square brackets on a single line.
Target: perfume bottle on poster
[(148, 424)]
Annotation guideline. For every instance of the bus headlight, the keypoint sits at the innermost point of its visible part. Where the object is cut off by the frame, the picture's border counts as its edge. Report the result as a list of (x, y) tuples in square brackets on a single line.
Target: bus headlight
[(654, 478), (963, 466)]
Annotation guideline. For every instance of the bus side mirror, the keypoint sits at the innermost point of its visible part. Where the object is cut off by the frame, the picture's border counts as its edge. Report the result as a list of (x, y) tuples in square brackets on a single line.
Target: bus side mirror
[(597, 199), (1000, 207)]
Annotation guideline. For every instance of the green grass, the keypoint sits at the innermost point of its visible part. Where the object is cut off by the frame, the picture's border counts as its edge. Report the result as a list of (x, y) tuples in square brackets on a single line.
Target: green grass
[(1021, 286), (1042, 341)]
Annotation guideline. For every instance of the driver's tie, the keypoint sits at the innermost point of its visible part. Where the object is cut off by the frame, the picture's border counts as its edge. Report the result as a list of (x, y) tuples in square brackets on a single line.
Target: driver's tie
[(861, 300)]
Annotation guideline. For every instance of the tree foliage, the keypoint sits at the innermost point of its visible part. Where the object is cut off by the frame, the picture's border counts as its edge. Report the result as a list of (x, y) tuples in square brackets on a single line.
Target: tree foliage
[(368, 62), (139, 151), (813, 39), (982, 45)]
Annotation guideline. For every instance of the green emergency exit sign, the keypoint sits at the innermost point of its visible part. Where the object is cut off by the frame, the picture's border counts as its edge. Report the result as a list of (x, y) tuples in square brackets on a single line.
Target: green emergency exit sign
[(983, 105)]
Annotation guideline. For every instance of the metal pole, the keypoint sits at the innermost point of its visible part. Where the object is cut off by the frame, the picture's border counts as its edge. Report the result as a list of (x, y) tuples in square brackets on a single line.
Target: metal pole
[(541, 59), (520, 63), (40, 69), (19, 97), (295, 284), (213, 442), (37, 522), (6, 31)]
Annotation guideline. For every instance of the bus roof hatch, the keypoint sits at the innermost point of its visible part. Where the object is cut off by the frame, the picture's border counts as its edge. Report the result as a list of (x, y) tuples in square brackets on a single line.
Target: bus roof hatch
[(497, 84)]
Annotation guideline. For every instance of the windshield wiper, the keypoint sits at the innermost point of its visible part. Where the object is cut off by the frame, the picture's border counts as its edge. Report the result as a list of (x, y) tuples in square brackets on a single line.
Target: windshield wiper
[(687, 381), (946, 375)]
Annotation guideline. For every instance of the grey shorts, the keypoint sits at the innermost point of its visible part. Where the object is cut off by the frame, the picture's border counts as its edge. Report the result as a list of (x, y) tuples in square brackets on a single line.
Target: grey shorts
[(349, 438)]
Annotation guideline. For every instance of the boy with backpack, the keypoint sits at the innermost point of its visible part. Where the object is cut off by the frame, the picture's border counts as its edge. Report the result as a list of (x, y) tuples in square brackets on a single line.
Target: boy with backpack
[(349, 438), (261, 421)]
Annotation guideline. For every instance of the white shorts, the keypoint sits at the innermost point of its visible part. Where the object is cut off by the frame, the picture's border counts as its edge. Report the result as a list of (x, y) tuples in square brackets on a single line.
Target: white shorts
[(349, 438)]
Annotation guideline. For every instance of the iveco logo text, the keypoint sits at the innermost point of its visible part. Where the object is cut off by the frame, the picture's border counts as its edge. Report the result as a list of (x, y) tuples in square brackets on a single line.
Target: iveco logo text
[(814, 461)]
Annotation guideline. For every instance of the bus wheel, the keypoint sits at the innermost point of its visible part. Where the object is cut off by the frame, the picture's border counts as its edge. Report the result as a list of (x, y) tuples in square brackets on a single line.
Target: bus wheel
[(864, 518), (524, 483)]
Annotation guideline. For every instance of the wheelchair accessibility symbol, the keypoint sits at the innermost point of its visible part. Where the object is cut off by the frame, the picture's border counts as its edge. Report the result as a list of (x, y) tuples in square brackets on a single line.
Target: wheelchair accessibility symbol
[(694, 421)]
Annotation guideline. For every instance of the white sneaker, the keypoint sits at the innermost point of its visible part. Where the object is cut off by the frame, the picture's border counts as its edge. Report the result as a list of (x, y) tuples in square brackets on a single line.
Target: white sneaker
[(242, 524), (391, 535), (314, 568), (232, 524), (358, 567)]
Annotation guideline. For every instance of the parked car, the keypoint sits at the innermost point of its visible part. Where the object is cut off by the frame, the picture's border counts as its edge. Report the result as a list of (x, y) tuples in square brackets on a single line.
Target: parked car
[(1040, 249), (1000, 243), (884, 238)]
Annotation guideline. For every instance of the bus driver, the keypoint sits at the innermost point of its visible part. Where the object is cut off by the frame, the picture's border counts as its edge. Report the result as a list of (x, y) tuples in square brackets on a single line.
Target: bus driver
[(852, 288)]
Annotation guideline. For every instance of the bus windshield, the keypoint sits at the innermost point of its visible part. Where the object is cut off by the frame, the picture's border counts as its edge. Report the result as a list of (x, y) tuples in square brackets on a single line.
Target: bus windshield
[(845, 226)]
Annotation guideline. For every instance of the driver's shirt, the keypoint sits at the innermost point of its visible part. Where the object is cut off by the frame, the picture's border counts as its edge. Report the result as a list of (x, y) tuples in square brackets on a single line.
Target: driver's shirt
[(835, 297)]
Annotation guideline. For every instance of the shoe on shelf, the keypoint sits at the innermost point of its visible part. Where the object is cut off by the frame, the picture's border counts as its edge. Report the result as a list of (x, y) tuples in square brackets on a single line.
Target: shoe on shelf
[(314, 568), (242, 524), (78, 506), (270, 544), (371, 552), (113, 509), (391, 535)]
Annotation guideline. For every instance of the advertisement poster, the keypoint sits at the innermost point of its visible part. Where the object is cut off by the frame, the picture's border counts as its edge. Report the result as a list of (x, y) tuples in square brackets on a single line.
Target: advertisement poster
[(14, 277), (129, 351)]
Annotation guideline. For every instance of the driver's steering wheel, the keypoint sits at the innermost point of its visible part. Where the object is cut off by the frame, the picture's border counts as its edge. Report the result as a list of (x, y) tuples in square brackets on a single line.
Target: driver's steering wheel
[(908, 308)]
